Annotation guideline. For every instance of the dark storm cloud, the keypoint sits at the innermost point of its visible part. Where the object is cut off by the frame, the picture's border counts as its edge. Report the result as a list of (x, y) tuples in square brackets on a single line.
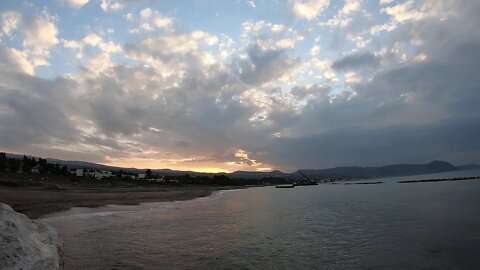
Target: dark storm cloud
[(370, 147), (35, 111), (356, 61)]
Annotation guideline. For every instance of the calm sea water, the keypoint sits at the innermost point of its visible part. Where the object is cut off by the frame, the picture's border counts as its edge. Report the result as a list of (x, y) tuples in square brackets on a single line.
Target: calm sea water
[(386, 226)]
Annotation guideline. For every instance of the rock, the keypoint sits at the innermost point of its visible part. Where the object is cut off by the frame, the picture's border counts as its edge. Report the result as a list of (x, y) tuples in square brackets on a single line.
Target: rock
[(26, 244)]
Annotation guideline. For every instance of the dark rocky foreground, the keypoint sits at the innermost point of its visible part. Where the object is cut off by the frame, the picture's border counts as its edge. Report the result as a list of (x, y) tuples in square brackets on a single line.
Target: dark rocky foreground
[(27, 244)]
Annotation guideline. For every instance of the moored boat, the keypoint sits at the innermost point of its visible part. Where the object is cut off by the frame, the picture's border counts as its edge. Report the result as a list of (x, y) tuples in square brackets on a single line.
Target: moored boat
[(285, 186)]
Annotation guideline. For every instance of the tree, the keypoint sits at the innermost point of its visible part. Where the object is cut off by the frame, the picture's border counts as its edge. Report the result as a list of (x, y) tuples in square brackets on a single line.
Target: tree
[(148, 173), (13, 164), (221, 179), (3, 161), (28, 163)]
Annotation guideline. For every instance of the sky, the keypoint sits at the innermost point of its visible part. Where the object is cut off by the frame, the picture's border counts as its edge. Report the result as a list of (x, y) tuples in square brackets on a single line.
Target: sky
[(215, 85)]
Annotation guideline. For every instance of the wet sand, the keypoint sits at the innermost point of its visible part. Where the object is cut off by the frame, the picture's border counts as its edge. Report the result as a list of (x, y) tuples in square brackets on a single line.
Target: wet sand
[(35, 202)]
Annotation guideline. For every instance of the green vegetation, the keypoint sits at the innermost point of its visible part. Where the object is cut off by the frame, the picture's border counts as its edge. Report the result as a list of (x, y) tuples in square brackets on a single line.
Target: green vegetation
[(30, 165)]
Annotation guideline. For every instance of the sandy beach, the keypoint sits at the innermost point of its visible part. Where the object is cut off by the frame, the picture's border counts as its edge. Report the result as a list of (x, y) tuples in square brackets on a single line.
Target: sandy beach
[(35, 202)]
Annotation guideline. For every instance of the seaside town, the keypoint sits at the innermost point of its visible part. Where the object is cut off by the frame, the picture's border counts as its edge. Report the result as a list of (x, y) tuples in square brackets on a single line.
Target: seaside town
[(32, 171), (31, 165)]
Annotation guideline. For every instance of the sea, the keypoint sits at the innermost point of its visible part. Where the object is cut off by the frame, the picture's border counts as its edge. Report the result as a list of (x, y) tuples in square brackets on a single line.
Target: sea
[(329, 226)]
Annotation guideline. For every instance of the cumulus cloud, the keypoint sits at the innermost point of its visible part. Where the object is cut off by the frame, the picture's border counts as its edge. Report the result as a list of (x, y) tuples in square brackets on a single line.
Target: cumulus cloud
[(92, 40), (404, 12), (269, 36), (151, 20), (252, 3), (114, 5), (78, 3), (384, 2), (193, 97), (345, 15), (13, 59), (263, 65), (309, 9), (40, 36), (10, 21)]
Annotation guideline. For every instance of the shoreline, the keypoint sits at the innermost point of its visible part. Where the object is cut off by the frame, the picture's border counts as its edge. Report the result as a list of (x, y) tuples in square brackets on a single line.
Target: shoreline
[(38, 202), (439, 180)]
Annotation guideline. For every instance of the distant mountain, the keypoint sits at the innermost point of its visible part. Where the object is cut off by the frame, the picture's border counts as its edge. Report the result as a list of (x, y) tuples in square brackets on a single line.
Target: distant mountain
[(258, 175), (383, 171), (86, 165), (95, 166), (469, 167), (337, 172)]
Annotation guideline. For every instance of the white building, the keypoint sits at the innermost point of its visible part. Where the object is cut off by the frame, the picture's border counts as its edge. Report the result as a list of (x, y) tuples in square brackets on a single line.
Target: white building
[(131, 176), (79, 172), (107, 174), (141, 176)]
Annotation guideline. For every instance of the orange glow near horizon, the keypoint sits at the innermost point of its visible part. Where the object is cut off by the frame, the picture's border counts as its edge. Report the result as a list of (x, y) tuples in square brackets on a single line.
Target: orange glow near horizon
[(202, 167), (178, 164), (155, 165), (211, 170)]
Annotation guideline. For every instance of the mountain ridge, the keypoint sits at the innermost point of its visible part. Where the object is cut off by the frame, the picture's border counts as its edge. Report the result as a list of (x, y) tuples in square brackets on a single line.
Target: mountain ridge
[(353, 172)]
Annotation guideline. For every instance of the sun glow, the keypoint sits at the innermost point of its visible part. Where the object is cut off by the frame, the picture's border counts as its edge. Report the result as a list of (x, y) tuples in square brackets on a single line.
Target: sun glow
[(211, 170), (141, 163)]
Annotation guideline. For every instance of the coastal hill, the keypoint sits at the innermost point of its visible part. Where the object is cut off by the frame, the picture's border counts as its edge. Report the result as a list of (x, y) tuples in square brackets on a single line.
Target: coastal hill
[(383, 171), (331, 173)]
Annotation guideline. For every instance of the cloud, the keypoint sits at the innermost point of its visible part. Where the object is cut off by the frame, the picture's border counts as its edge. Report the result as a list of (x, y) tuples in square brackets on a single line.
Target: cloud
[(262, 66), (91, 40), (77, 3), (10, 21), (309, 9), (40, 36), (35, 111), (384, 2), (367, 147), (356, 61), (351, 6), (315, 50), (184, 97), (269, 36), (13, 59), (345, 15), (252, 3), (151, 20), (404, 12), (116, 5), (108, 5)]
